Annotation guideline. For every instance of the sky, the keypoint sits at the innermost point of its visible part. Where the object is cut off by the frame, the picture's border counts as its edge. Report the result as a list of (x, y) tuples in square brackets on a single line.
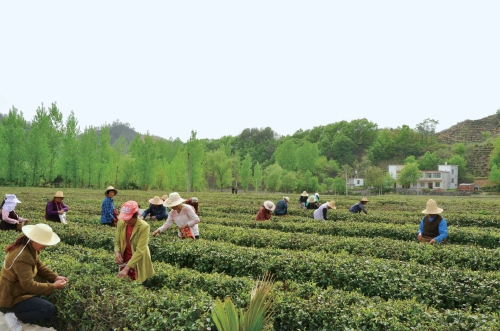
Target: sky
[(218, 67)]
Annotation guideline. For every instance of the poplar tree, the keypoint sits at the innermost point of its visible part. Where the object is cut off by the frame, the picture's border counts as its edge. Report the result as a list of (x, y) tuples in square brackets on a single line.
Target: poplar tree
[(69, 161), (13, 133)]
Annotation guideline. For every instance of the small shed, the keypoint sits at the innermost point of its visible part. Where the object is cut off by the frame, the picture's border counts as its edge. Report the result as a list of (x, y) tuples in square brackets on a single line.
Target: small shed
[(466, 187)]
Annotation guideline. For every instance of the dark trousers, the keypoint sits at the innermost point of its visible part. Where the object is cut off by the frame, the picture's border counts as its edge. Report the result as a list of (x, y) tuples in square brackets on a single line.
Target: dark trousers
[(32, 309)]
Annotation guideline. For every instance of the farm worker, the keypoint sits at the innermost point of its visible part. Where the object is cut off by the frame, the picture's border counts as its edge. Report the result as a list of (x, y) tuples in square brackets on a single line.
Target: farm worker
[(19, 290), (433, 227), (193, 202), (359, 207), (108, 211), (264, 213), (56, 207), (282, 206), (131, 244), (303, 199), (156, 210), (312, 203), (183, 215), (10, 219), (320, 213)]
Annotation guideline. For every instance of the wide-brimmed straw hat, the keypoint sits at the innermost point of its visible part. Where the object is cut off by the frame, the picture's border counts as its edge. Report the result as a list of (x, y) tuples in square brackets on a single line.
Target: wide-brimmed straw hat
[(311, 199), (174, 199), (156, 200), (41, 234), (432, 208), (164, 197), (364, 199), (331, 204), (304, 194), (269, 205), (287, 199), (111, 188), (59, 194)]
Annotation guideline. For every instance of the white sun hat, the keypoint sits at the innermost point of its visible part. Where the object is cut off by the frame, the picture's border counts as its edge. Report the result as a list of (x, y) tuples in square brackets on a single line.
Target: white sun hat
[(41, 234), (174, 199)]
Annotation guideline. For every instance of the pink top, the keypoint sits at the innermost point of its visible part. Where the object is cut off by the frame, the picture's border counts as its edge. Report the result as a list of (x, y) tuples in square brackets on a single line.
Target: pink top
[(186, 216), (7, 219)]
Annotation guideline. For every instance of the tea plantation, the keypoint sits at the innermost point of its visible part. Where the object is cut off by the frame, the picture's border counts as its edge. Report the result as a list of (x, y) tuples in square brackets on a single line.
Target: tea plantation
[(352, 272)]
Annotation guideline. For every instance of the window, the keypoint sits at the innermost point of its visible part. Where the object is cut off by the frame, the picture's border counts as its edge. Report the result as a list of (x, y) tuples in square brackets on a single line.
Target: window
[(452, 171), (428, 175), (358, 181), (436, 175), (453, 180), (422, 184), (437, 184)]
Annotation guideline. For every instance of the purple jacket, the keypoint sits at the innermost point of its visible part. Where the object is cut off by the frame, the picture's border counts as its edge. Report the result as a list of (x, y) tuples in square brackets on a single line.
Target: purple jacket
[(51, 210)]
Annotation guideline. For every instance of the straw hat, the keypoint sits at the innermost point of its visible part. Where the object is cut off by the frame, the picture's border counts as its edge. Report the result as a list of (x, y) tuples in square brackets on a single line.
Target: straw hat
[(41, 234), (316, 194), (311, 199), (287, 199), (59, 194), (331, 204), (156, 200), (111, 188), (432, 208), (174, 199), (304, 194), (269, 205), (164, 197), (364, 199)]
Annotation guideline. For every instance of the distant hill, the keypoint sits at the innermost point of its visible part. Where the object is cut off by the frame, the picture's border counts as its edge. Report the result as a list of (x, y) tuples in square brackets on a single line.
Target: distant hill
[(476, 135)]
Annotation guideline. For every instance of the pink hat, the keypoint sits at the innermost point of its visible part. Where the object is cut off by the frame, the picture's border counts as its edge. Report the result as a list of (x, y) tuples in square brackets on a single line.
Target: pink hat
[(128, 210)]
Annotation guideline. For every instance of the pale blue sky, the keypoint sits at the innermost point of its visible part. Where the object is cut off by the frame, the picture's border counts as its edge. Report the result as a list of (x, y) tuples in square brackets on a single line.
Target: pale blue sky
[(218, 67)]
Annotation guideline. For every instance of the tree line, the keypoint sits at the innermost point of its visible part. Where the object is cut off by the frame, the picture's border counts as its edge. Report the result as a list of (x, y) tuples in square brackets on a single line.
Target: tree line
[(51, 151)]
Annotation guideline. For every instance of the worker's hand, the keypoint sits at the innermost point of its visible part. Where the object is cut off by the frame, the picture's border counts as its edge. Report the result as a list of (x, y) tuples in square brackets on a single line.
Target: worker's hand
[(60, 283), (118, 258), (155, 232), (419, 237), (153, 217), (433, 241), (123, 272), (61, 278)]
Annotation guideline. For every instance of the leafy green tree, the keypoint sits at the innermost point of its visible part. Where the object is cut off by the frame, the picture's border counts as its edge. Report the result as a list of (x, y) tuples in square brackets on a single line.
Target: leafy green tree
[(177, 171), (339, 186), (459, 149), (70, 157), (409, 174), (258, 176), (273, 177), (405, 142), (259, 143), (196, 155), (289, 181), (427, 131), (374, 176), (103, 158), (38, 152), (246, 172), (411, 159), (428, 162), (329, 183), (495, 153), (13, 133), (54, 138), (220, 165), (342, 149), (313, 183), (88, 152), (384, 146), (494, 175), (307, 156), (462, 166), (327, 168), (118, 156), (286, 155), (145, 154)]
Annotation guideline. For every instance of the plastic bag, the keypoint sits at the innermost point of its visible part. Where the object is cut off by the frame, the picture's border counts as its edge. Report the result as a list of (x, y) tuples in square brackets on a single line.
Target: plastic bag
[(62, 217)]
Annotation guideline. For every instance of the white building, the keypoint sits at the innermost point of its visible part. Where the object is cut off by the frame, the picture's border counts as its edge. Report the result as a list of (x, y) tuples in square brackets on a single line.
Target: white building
[(354, 182), (446, 177)]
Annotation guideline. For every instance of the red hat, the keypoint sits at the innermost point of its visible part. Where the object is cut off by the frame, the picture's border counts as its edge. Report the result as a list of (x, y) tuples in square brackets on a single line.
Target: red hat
[(128, 210)]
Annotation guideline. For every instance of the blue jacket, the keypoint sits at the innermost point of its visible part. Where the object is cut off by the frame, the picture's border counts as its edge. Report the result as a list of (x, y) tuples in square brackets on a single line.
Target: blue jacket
[(281, 208)]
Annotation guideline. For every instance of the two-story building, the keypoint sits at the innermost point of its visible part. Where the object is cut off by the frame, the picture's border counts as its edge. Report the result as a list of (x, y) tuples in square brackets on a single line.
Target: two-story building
[(446, 177)]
